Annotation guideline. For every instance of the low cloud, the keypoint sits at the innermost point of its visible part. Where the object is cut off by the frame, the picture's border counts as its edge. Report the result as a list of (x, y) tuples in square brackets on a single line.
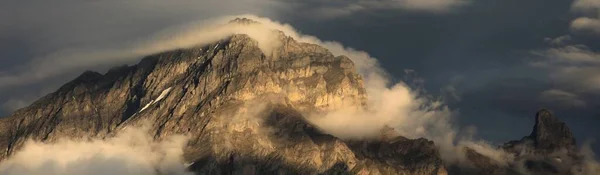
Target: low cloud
[(589, 165), (131, 152)]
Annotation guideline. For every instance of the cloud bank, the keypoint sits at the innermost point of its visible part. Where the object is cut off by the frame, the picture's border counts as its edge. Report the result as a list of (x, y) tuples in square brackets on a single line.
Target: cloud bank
[(131, 152)]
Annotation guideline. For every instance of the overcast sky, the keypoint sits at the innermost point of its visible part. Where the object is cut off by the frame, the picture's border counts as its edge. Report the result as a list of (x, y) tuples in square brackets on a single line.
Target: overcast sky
[(495, 61)]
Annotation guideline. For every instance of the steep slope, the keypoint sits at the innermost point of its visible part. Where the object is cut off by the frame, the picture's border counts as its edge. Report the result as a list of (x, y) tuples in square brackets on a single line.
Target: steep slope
[(242, 109)]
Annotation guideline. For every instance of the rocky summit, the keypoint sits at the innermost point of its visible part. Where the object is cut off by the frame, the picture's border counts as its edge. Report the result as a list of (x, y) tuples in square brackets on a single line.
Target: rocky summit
[(550, 149), (244, 112)]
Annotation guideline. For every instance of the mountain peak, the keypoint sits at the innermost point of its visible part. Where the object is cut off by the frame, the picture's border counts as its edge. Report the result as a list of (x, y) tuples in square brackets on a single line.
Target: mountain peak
[(549, 133)]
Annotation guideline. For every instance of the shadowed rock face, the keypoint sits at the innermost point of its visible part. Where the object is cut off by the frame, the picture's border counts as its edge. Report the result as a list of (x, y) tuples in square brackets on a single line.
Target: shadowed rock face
[(550, 134), (243, 110)]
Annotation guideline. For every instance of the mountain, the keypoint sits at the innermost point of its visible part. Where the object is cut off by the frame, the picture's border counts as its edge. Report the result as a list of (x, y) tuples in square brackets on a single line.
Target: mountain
[(550, 149), (245, 112), (206, 91)]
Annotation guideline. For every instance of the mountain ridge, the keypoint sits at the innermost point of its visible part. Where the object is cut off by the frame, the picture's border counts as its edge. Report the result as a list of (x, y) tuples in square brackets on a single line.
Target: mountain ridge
[(204, 92), (215, 92)]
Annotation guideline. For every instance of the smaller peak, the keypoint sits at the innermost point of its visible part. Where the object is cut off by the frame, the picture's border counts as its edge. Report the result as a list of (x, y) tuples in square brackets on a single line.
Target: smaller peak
[(550, 133), (244, 21)]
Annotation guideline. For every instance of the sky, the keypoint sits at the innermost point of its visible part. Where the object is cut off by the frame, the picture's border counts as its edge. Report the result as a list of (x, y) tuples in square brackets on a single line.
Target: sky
[(496, 62)]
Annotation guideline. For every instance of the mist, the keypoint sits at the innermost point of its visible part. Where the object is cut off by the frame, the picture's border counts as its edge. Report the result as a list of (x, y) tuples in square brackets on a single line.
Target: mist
[(131, 152)]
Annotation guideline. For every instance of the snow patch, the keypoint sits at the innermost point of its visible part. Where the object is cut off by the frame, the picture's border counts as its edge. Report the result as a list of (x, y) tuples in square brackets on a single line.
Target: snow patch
[(162, 95), (217, 45)]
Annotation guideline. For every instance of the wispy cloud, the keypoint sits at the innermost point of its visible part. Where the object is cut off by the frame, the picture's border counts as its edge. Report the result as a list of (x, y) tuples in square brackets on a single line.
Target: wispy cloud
[(564, 98), (339, 8)]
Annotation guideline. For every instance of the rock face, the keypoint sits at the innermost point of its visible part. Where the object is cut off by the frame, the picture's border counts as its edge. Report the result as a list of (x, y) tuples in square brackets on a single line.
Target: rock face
[(242, 108), (549, 149)]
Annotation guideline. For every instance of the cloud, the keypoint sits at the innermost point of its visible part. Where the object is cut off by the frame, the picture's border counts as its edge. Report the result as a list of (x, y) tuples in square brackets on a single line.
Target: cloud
[(582, 5), (132, 152), (572, 66), (337, 8), (432, 5), (590, 165), (576, 66), (585, 24), (562, 97), (569, 54), (559, 41)]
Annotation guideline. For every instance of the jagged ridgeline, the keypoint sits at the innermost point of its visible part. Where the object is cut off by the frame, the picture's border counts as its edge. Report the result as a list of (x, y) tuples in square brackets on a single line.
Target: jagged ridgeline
[(244, 112)]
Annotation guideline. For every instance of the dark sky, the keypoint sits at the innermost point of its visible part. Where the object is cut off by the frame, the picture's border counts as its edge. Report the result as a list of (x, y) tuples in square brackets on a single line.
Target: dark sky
[(495, 61)]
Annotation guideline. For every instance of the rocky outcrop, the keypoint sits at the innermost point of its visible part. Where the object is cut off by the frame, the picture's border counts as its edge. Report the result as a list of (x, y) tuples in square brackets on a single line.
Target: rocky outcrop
[(549, 135), (242, 108), (549, 149)]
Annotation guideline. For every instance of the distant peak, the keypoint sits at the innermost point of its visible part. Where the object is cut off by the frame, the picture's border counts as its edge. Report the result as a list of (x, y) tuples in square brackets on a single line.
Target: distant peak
[(551, 133), (245, 21)]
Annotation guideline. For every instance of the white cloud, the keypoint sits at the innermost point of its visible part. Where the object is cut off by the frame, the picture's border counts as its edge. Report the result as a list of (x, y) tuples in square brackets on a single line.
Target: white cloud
[(131, 152)]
